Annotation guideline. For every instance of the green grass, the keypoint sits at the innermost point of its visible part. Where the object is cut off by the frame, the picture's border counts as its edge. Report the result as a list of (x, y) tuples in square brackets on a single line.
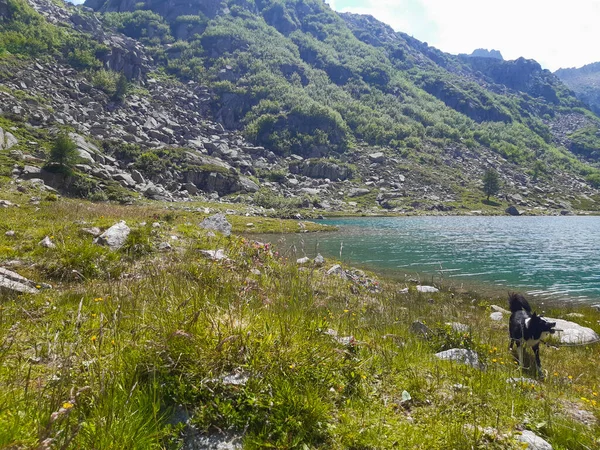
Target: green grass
[(105, 358)]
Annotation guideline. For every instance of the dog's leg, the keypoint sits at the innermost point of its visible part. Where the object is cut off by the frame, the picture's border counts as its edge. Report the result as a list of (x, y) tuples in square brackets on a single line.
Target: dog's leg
[(520, 353), (538, 363)]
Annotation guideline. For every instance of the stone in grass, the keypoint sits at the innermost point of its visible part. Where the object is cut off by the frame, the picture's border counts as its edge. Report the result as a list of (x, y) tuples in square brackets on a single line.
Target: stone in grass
[(427, 289), (336, 270), (216, 441), (319, 260), (515, 381), (13, 282), (497, 316), (458, 327), (573, 333), (420, 329), (47, 243), (533, 441), (461, 355), (304, 260), (219, 223), (10, 233), (114, 237), (215, 255)]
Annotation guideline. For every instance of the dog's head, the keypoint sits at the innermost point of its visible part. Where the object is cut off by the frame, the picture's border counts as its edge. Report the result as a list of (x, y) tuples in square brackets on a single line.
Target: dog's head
[(541, 326)]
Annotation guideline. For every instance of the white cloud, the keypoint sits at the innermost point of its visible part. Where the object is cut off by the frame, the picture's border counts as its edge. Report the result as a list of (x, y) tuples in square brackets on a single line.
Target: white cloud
[(555, 33)]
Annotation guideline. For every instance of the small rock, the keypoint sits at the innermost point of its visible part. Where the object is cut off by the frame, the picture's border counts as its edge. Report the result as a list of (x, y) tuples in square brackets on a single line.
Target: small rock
[(13, 282), (156, 225), (10, 233), (497, 316), (521, 380), (596, 307), (164, 247), (255, 272), (319, 260), (458, 327), (500, 309), (533, 440), (47, 243), (337, 270), (115, 236), (427, 289), (219, 223), (94, 231), (461, 355), (420, 329), (215, 255), (304, 260)]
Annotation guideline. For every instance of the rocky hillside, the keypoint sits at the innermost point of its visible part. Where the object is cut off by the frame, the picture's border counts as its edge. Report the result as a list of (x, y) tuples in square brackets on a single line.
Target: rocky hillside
[(283, 105), (585, 82)]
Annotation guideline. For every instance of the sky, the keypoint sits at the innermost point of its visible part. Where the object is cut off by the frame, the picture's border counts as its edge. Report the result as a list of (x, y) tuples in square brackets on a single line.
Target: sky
[(556, 33)]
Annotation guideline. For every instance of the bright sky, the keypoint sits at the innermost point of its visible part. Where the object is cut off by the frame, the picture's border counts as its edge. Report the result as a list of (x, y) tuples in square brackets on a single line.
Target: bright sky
[(556, 33)]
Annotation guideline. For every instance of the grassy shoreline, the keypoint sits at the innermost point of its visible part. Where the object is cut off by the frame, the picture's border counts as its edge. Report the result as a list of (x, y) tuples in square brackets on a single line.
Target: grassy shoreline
[(143, 341)]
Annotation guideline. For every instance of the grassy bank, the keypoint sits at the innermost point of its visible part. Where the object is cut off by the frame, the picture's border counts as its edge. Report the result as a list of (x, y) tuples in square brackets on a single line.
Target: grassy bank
[(146, 349)]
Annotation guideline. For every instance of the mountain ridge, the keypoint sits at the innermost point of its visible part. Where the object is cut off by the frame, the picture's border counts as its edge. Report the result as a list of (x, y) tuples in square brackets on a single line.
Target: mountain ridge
[(303, 82)]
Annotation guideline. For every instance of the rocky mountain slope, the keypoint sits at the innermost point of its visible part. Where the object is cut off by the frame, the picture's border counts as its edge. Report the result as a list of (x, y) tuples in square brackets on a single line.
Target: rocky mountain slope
[(282, 105), (585, 82)]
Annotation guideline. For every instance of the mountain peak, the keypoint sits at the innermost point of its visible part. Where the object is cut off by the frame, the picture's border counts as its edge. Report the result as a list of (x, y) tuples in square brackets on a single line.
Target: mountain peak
[(485, 53)]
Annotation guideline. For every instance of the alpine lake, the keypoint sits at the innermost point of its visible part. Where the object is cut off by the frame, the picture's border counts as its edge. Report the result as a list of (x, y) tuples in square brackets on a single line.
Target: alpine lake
[(554, 259)]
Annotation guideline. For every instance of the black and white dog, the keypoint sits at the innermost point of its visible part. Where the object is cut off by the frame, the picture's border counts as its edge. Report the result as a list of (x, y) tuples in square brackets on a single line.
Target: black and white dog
[(528, 328)]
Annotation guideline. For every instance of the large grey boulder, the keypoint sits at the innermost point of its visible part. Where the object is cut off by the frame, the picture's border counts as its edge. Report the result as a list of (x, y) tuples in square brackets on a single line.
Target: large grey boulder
[(513, 211), (115, 236), (573, 333), (13, 282), (533, 441), (7, 140), (461, 355), (219, 223), (377, 157)]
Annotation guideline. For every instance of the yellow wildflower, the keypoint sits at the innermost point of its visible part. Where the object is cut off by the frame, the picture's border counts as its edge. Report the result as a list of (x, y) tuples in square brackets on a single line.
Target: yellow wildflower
[(67, 405), (94, 338)]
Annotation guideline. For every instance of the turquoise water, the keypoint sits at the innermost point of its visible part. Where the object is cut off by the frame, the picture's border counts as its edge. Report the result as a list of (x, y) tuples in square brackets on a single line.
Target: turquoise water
[(554, 258)]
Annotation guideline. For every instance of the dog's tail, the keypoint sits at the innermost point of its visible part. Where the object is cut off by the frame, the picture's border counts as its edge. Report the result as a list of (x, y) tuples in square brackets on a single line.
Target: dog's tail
[(517, 302)]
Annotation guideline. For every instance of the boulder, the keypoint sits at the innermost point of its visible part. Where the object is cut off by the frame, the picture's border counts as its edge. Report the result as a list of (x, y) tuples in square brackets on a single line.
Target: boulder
[(573, 333), (377, 157), (461, 355), (114, 237), (533, 441), (357, 192), (219, 223), (512, 210)]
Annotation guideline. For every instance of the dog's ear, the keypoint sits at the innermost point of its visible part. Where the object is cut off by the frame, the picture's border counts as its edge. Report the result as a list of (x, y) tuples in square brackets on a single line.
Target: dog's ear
[(534, 315)]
